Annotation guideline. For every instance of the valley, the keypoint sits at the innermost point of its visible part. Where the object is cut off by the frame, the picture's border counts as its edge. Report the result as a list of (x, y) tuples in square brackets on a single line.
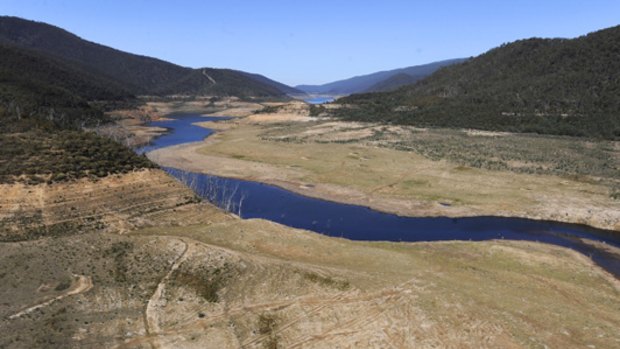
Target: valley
[(170, 271), (461, 203), (412, 171), (194, 276)]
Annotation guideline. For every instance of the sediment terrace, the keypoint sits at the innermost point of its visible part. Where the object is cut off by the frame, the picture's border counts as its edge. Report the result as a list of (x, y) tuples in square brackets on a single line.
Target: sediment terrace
[(165, 271), (114, 203)]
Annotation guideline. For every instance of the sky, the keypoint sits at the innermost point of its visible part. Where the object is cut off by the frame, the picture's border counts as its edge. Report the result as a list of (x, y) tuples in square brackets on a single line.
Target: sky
[(314, 42)]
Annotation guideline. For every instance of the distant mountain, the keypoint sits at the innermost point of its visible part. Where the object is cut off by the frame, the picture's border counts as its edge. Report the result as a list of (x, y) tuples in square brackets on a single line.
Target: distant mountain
[(555, 86), (365, 83), (138, 74)]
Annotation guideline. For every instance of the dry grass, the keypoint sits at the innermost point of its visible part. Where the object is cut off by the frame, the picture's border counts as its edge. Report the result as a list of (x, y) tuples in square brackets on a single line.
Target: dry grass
[(325, 159), (260, 284), (113, 203), (484, 294), (186, 275)]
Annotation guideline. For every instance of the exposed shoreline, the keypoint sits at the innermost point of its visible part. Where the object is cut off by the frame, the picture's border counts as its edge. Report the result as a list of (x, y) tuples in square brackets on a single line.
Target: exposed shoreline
[(186, 157), (539, 202)]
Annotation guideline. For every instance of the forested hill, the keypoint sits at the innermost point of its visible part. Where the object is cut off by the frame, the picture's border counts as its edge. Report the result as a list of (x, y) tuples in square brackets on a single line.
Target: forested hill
[(43, 88), (554, 86), (280, 86), (394, 82), (138, 74), (53, 84), (43, 105)]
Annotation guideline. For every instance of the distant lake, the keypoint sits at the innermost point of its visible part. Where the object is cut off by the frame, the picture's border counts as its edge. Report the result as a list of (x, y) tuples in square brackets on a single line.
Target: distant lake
[(181, 130), (319, 100), (258, 200)]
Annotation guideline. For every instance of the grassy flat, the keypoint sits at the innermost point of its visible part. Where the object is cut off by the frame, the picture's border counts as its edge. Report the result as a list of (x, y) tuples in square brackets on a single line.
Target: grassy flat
[(349, 162)]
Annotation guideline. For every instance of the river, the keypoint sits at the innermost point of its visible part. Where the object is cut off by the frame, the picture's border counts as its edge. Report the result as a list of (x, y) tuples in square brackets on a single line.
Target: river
[(319, 100), (258, 200)]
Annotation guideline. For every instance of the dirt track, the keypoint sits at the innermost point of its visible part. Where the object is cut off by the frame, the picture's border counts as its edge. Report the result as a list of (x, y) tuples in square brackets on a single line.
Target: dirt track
[(151, 313), (274, 286), (81, 285)]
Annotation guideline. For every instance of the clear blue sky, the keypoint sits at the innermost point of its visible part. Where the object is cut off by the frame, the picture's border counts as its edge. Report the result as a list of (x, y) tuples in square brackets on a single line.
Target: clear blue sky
[(315, 41)]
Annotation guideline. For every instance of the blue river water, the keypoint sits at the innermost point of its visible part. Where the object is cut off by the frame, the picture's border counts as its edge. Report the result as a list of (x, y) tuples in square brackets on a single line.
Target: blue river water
[(319, 100), (258, 200)]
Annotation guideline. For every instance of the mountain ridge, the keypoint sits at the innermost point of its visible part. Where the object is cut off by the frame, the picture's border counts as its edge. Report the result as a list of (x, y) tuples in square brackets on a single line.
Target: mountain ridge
[(139, 74), (548, 86), (47, 89), (362, 83), (394, 82)]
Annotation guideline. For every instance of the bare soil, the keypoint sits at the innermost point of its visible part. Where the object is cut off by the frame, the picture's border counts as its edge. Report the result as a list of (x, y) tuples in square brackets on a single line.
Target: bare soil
[(337, 161), (140, 264)]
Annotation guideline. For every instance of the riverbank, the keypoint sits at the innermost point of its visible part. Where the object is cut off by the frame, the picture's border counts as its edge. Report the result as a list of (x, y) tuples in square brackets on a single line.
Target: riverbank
[(129, 127), (169, 272), (346, 162)]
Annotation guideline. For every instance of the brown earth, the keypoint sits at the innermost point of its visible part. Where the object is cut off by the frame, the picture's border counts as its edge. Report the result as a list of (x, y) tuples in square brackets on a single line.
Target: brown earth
[(165, 272), (116, 203), (335, 160), (142, 265)]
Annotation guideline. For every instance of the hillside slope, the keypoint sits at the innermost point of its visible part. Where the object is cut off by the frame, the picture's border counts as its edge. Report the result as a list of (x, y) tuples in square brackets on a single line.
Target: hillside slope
[(224, 282), (33, 85), (365, 83), (394, 82), (220, 82), (555, 86), (280, 86), (139, 74)]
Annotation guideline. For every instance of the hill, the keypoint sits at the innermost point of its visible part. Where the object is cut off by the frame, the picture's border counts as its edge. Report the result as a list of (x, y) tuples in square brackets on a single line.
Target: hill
[(171, 274), (44, 103), (53, 84), (394, 82), (33, 85), (280, 86), (138, 74), (552, 86), (365, 83), (220, 82)]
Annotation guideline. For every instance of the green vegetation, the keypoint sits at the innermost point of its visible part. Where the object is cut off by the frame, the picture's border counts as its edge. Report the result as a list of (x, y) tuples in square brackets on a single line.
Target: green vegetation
[(269, 109), (396, 81), (63, 284), (553, 155), (26, 266), (206, 282), (52, 155), (44, 104), (327, 281), (266, 326), (316, 110), (138, 74), (119, 251), (549, 86), (227, 83), (53, 84), (35, 86)]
